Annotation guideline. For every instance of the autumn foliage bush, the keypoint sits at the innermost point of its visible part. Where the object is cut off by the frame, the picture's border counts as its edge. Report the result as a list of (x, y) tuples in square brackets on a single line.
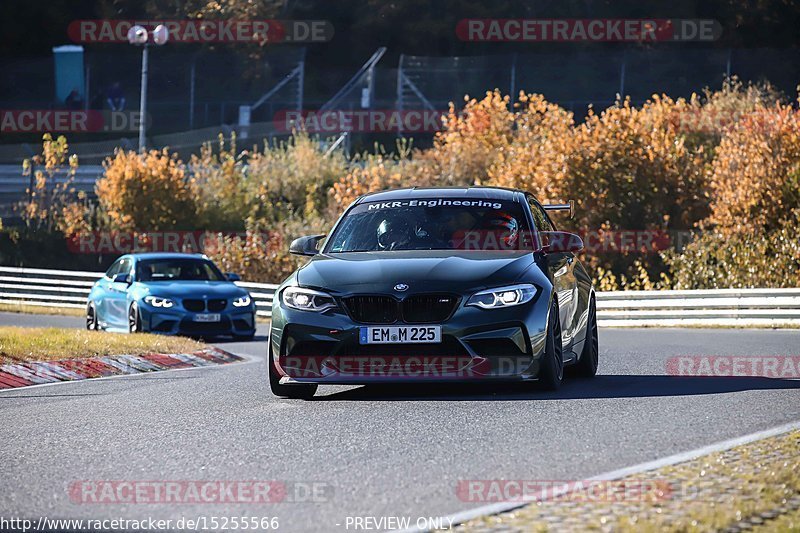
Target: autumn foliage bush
[(50, 189), (147, 192), (272, 194), (752, 231), (747, 259), (224, 198), (755, 178), (724, 162), (371, 172), (257, 254), (472, 140), (540, 142)]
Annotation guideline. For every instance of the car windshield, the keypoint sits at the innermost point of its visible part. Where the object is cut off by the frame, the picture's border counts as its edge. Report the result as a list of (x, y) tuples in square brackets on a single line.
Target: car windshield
[(431, 224), (178, 269)]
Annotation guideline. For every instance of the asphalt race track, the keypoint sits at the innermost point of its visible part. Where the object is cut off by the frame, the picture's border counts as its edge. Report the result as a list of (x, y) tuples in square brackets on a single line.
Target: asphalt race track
[(381, 451)]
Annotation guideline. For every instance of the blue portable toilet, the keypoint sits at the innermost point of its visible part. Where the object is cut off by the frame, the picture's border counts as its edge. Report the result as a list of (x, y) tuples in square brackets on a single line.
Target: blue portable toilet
[(69, 72)]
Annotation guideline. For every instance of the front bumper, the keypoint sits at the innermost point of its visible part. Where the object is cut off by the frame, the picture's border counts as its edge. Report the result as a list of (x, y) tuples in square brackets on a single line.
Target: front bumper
[(477, 344), (234, 322)]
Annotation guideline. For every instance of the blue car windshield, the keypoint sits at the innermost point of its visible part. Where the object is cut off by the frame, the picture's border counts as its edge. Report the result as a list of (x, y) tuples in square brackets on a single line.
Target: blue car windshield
[(180, 269)]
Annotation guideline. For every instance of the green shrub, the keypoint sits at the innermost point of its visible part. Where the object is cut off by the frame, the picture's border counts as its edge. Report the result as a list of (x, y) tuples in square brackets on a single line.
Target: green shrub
[(47, 196), (741, 260)]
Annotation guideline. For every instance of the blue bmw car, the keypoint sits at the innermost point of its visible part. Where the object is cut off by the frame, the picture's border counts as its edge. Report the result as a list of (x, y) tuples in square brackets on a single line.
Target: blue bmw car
[(170, 293)]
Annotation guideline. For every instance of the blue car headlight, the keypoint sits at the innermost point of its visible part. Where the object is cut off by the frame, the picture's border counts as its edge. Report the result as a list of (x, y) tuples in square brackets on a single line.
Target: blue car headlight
[(242, 301), (307, 299), (503, 296), (158, 301)]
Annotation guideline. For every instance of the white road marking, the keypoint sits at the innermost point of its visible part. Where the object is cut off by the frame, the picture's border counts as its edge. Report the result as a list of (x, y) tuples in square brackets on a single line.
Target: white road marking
[(504, 507)]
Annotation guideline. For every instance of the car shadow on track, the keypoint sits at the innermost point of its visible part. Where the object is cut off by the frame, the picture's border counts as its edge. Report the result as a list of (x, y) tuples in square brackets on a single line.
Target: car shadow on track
[(599, 387)]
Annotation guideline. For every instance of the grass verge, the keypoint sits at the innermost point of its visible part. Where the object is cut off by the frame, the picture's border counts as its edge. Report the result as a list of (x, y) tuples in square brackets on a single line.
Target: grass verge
[(40, 310), (48, 344), (782, 524), (65, 311), (754, 486)]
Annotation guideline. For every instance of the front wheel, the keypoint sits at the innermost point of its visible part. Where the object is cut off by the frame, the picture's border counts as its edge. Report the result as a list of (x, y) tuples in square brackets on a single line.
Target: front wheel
[(134, 319), (91, 317), (551, 370), (303, 391)]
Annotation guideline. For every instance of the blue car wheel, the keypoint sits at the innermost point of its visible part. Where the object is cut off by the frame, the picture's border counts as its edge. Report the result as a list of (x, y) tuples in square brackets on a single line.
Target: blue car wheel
[(134, 319)]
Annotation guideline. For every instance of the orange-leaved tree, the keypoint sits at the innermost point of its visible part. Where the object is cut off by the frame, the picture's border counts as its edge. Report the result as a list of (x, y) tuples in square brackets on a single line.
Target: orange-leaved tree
[(146, 192), (471, 140), (535, 158), (755, 178)]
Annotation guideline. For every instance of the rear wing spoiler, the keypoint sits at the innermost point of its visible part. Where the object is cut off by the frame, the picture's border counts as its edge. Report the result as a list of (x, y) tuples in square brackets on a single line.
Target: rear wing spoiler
[(570, 206)]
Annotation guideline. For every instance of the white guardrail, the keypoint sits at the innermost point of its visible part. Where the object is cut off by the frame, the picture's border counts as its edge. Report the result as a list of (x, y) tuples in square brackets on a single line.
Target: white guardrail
[(70, 288), (718, 307)]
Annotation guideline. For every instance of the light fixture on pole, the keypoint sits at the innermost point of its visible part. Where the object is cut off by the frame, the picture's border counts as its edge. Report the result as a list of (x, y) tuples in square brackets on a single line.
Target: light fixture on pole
[(138, 36)]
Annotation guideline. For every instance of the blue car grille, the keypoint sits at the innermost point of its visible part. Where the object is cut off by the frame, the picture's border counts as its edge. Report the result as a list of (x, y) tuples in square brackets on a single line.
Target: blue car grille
[(198, 306), (217, 304), (195, 306)]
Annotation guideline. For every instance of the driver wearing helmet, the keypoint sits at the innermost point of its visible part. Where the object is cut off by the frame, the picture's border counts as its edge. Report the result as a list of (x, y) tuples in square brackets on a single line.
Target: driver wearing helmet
[(394, 233), (502, 229)]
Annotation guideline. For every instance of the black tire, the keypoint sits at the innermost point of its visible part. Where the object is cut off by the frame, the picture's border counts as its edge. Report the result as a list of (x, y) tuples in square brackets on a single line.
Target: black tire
[(551, 371), (91, 317), (304, 391), (587, 364), (134, 319)]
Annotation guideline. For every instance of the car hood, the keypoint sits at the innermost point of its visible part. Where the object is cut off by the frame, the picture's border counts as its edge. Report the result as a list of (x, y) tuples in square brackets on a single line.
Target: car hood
[(428, 270), (194, 289)]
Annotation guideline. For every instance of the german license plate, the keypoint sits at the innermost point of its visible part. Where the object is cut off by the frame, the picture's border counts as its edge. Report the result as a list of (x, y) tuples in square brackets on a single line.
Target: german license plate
[(207, 317), (400, 334)]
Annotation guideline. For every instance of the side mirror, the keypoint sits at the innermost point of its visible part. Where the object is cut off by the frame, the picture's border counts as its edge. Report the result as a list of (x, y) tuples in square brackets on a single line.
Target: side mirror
[(305, 245), (233, 277), (122, 278), (560, 241)]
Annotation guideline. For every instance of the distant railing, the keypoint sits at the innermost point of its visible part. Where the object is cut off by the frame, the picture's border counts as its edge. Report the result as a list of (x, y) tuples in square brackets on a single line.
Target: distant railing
[(70, 288), (719, 307), (14, 186)]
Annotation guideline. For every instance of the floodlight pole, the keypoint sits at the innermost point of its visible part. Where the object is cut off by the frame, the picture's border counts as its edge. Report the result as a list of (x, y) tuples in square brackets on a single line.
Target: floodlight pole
[(143, 100)]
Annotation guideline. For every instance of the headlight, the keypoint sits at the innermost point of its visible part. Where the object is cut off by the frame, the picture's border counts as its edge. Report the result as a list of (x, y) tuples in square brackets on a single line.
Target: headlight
[(307, 299), (158, 301), (503, 296), (242, 301)]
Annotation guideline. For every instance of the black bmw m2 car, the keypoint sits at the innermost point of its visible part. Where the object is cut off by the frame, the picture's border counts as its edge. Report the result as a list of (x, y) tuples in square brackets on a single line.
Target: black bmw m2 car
[(435, 284)]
